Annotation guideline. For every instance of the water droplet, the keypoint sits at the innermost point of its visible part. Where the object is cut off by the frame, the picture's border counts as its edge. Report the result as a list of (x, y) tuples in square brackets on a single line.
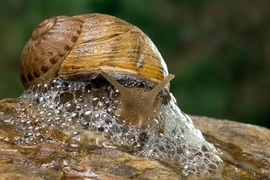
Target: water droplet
[(87, 112), (73, 145)]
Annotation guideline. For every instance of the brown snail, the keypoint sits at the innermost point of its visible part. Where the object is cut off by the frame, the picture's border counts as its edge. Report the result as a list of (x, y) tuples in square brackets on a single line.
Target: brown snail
[(75, 48)]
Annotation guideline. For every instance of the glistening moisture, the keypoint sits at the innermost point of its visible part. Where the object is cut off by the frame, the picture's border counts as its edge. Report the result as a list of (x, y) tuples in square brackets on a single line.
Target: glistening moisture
[(58, 105)]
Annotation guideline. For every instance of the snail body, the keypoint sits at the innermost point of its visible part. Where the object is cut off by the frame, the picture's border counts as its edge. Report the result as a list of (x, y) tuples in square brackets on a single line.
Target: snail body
[(78, 47)]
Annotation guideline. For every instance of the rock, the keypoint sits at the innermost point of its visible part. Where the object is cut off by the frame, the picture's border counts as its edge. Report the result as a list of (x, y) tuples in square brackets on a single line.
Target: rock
[(246, 147), (246, 153)]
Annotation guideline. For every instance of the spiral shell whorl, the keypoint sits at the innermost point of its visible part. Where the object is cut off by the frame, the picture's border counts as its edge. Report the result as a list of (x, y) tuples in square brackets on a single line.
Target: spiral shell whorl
[(43, 28), (51, 41), (75, 48)]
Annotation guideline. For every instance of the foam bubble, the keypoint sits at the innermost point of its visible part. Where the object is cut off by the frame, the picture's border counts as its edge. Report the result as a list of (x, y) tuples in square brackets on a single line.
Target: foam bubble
[(58, 105)]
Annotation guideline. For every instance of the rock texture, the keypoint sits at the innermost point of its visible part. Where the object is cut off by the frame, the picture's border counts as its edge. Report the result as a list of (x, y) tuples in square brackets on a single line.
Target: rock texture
[(246, 154), (246, 147)]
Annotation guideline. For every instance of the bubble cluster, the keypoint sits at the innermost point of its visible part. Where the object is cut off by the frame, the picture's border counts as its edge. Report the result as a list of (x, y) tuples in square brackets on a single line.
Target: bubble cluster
[(58, 105)]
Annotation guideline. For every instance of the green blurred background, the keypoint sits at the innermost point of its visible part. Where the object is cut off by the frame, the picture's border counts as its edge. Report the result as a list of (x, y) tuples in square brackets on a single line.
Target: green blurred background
[(219, 50)]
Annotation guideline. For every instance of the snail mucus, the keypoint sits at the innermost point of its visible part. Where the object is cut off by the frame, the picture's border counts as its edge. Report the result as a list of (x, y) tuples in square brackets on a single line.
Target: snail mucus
[(107, 53), (75, 48)]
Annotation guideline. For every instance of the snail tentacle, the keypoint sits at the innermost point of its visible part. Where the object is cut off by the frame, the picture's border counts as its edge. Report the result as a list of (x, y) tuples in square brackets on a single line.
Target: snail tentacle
[(138, 106)]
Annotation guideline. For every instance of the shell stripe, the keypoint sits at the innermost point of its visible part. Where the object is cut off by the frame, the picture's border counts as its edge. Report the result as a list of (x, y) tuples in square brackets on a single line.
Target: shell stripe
[(66, 46)]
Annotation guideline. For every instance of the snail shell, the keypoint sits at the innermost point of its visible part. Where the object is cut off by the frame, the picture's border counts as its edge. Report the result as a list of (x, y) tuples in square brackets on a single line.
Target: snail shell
[(75, 48)]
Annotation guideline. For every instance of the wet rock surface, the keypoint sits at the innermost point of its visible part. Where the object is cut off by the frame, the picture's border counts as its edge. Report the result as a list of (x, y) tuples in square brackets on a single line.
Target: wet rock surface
[(247, 146), (246, 153)]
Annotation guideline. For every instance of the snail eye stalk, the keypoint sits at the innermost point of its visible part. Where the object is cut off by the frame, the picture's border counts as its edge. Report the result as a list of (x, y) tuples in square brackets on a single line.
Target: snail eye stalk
[(138, 106)]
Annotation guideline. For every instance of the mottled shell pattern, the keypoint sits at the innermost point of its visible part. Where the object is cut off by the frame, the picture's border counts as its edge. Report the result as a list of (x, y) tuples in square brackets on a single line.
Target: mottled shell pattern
[(78, 46)]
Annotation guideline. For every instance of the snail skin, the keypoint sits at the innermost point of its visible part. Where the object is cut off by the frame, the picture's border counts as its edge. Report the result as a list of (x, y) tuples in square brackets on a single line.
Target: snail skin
[(96, 72), (138, 105)]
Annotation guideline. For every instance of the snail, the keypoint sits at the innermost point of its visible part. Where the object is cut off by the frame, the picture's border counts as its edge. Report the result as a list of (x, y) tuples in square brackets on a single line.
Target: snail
[(99, 73), (76, 48)]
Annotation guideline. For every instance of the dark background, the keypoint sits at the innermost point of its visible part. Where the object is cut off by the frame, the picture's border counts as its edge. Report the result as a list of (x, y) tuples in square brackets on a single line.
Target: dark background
[(219, 50)]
